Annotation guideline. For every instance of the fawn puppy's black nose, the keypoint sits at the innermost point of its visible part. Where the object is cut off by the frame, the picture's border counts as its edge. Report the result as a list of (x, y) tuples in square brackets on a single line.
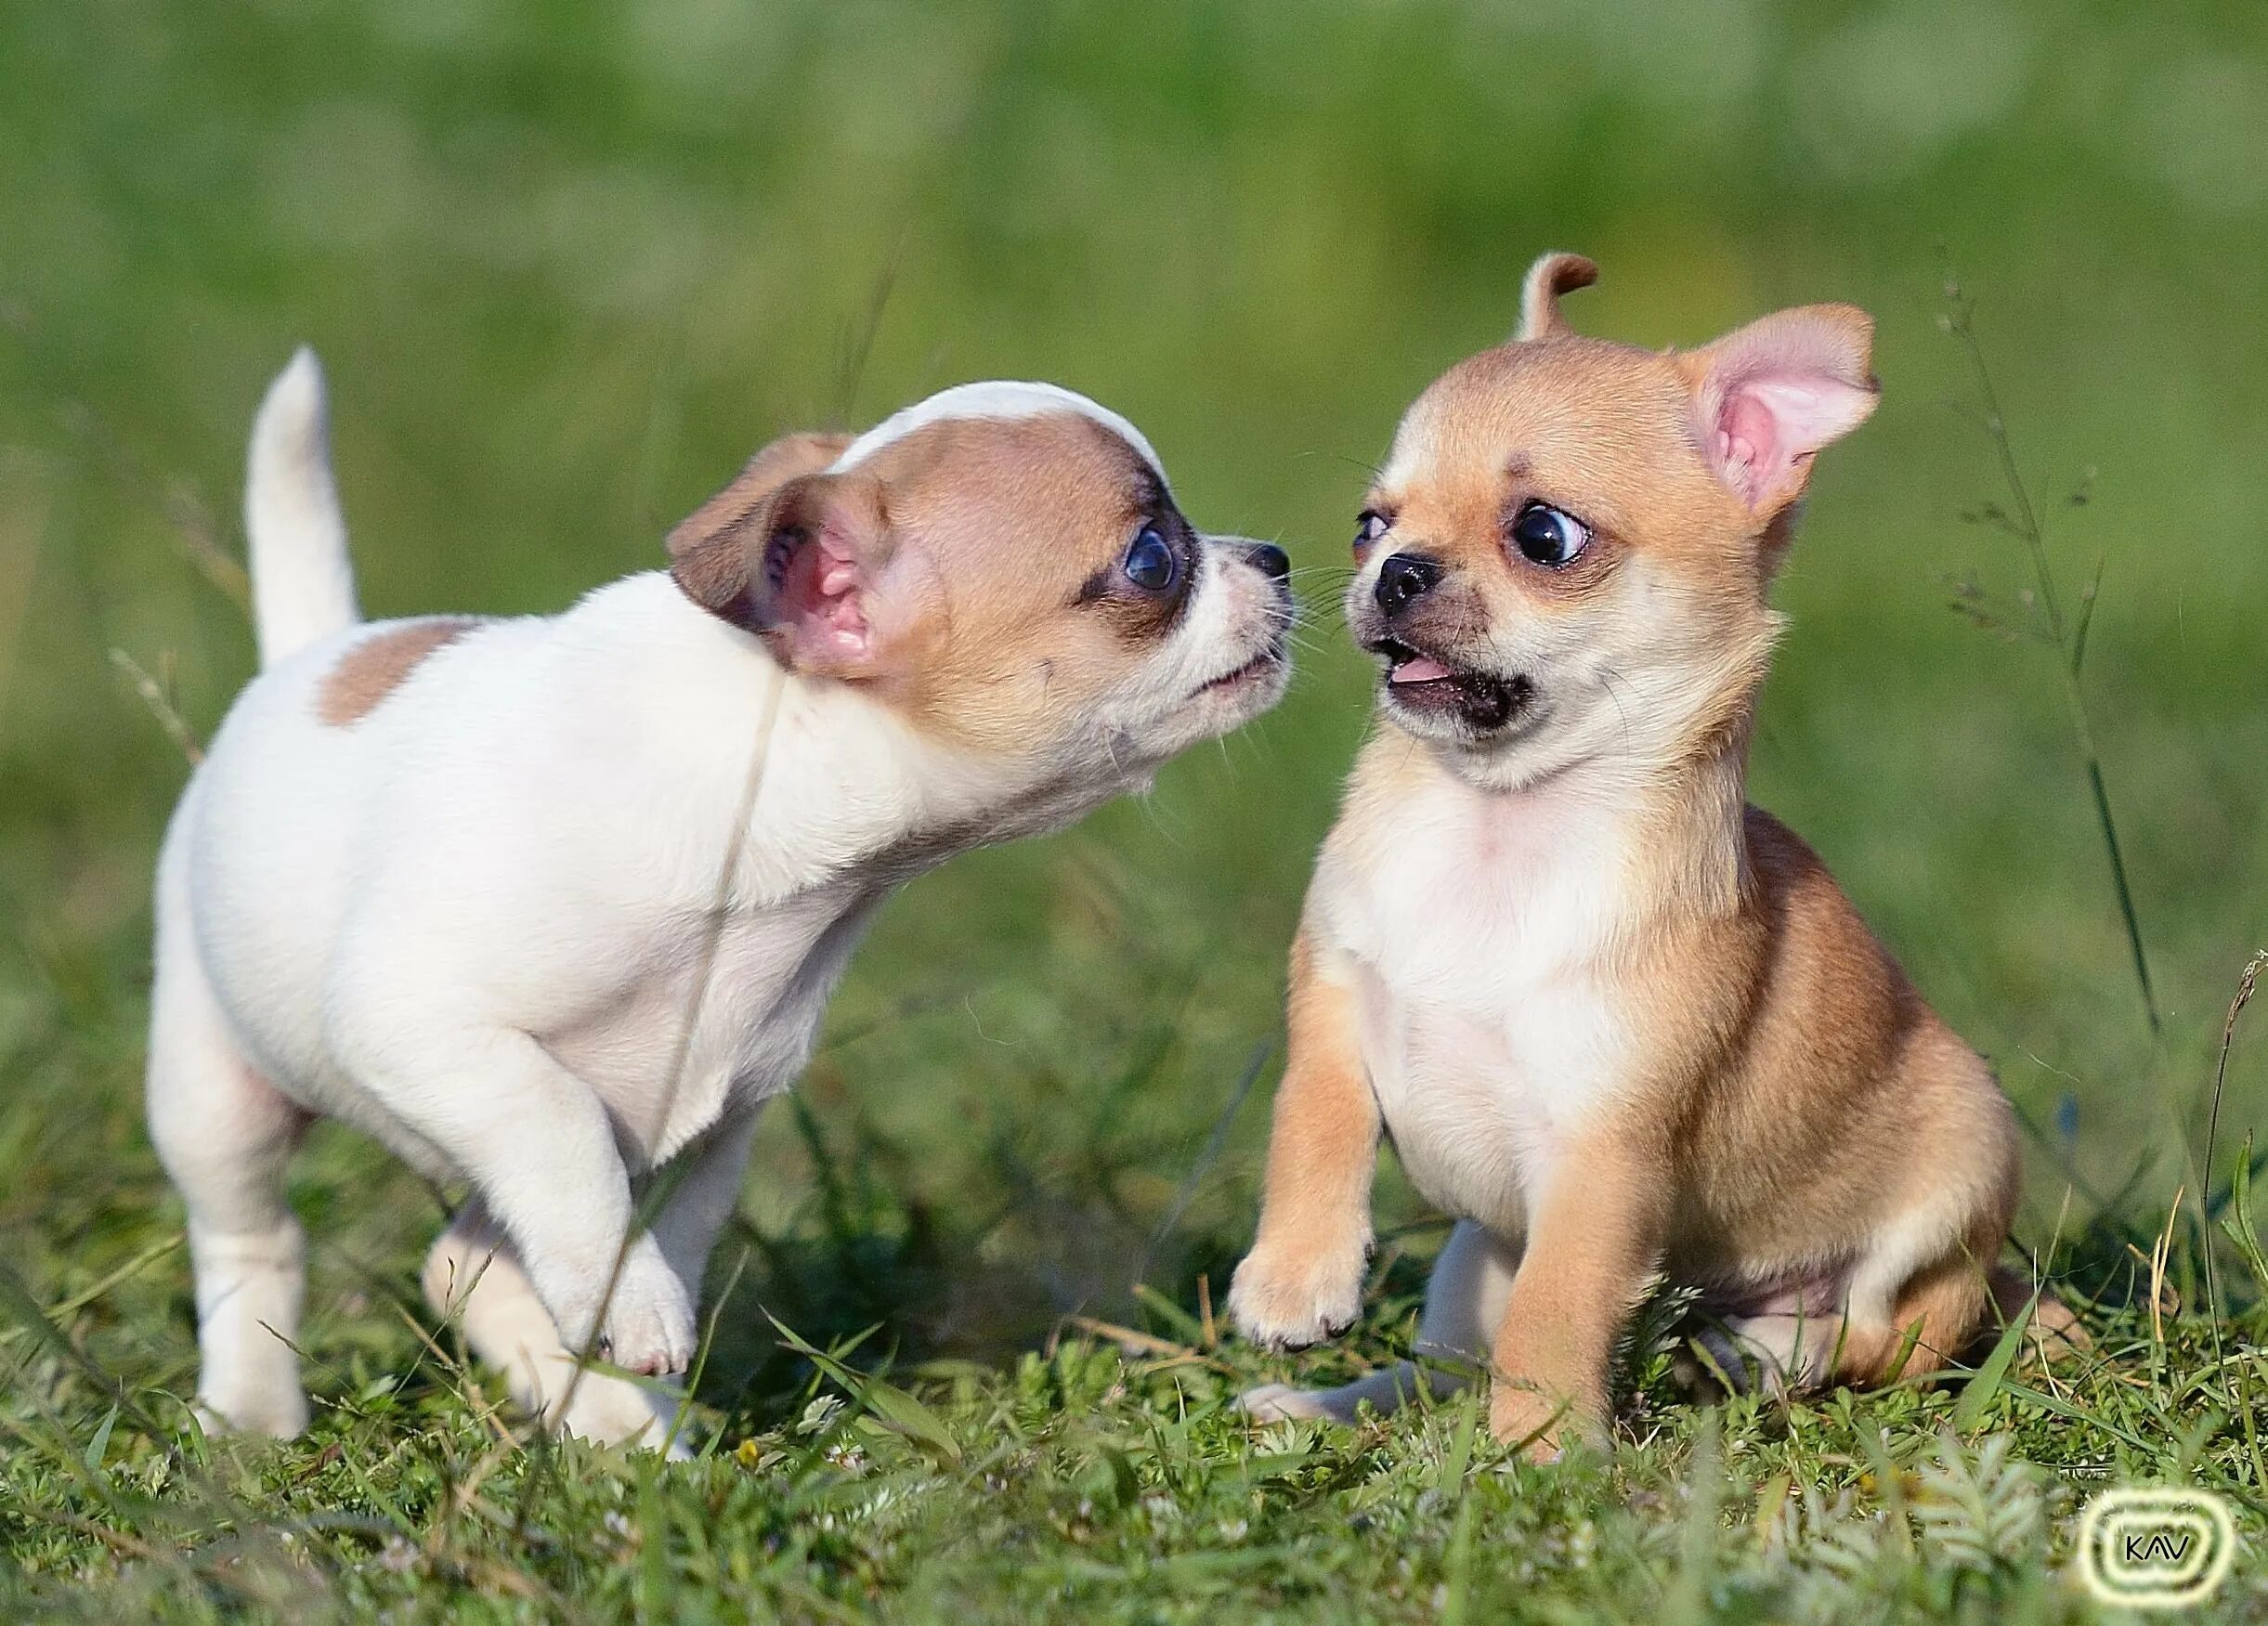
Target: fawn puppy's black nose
[(1269, 560), (1406, 577)]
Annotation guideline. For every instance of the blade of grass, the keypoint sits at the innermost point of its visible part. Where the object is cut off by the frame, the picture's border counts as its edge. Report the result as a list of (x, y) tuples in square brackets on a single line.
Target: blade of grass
[(2245, 982), (1457, 1566), (1959, 321), (1977, 1395), (1460, 1457)]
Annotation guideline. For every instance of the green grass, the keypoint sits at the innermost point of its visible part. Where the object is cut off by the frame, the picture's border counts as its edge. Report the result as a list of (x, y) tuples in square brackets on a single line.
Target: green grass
[(568, 263)]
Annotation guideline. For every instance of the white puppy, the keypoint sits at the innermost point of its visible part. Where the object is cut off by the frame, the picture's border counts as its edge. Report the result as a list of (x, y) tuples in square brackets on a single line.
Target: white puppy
[(548, 904)]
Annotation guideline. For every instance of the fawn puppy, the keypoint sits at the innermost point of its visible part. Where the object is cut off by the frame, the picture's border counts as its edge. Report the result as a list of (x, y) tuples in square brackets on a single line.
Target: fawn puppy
[(1620, 1023), (549, 904)]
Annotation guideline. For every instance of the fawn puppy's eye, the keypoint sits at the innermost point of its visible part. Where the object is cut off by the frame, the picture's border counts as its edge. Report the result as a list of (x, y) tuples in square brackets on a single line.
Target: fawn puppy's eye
[(1150, 563), (1369, 526), (1550, 536)]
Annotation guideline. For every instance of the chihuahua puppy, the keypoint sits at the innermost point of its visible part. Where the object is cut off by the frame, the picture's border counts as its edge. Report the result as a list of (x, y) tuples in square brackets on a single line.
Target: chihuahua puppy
[(1621, 1023), (550, 905)]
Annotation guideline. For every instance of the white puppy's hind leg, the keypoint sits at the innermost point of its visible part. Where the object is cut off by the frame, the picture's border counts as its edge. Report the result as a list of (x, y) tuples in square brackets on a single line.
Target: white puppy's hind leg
[(1464, 1305), (225, 1135), (474, 1277)]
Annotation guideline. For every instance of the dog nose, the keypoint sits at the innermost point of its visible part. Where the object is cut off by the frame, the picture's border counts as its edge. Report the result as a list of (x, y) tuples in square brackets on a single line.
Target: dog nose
[(1403, 578), (1269, 560)]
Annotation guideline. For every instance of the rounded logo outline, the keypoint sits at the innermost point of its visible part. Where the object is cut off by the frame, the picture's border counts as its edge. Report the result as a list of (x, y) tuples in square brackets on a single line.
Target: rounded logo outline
[(2192, 1580)]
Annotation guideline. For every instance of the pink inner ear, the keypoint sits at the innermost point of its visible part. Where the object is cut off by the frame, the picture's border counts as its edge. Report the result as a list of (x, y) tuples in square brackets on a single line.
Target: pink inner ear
[(1767, 423), (821, 604)]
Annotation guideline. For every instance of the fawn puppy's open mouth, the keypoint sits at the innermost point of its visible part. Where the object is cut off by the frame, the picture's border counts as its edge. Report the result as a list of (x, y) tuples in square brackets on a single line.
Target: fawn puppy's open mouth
[(1420, 685)]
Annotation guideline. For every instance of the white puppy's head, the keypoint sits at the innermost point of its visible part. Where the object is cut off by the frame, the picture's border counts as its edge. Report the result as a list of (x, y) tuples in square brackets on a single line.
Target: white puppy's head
[(1005, 566)]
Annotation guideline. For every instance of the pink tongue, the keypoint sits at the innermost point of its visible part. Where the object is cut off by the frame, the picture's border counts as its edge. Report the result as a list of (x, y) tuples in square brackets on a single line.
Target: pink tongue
[(1421, 670)]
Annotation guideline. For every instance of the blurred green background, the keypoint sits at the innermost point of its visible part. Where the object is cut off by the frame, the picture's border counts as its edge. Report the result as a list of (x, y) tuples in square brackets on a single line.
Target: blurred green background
[(568, 263)]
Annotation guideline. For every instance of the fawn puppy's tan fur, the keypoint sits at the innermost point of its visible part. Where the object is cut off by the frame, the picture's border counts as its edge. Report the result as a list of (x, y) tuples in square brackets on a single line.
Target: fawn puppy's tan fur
[(1620, 1023)]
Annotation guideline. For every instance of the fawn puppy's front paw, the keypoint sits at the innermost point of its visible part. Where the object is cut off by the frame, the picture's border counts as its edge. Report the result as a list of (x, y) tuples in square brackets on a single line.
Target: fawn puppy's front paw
[(1521, 1417), (1288, 1297)]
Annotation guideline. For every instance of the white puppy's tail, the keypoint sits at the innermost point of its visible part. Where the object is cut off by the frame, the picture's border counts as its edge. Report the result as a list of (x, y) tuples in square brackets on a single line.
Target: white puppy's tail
[(302, 583)]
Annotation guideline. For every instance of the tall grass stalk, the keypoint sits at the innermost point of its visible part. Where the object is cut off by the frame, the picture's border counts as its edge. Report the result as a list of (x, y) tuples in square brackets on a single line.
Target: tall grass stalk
[(2066, 634), (2245, 982)]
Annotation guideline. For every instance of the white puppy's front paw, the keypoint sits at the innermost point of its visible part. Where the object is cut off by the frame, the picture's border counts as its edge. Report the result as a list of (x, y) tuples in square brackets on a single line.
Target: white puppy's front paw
[(649, 1325), (612, 1410), (278, 1410), (643, 1325), (1287, 1298)]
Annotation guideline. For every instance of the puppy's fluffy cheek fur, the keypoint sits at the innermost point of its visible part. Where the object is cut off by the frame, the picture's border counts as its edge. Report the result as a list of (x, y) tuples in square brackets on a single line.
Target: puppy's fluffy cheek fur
[(1651, 665), (1053, 695), (1234, 616)]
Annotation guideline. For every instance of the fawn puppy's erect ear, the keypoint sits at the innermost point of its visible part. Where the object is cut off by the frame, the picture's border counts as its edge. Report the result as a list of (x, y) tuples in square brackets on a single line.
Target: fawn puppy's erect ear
[(1539, 296), (795, 554), (1768, 395)]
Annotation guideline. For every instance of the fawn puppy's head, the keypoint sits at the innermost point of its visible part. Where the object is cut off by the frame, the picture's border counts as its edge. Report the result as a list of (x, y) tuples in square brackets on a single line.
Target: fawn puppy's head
[(1567, 555), (1004, 565)]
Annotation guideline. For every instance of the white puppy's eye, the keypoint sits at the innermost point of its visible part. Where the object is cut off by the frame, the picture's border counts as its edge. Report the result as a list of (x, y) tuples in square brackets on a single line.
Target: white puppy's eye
[(1150, 563), (1550, 536), (1369, 526)]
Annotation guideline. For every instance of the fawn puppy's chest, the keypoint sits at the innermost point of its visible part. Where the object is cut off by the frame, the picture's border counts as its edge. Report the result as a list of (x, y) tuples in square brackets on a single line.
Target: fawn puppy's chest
[(1471, 926)]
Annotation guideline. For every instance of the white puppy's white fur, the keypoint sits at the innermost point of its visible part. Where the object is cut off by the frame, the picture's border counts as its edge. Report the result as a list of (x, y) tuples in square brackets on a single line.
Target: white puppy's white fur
[(994, 398), (524, 923)]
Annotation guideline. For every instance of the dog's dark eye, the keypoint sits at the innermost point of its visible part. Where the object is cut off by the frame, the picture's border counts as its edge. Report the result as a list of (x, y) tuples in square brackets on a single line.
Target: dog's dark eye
[(1150, 563), (1369, 526), (1548, 535)]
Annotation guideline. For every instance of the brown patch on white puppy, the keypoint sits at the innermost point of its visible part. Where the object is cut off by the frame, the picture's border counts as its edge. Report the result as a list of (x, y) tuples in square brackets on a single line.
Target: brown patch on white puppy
[(374, 667), (1623, 1025)]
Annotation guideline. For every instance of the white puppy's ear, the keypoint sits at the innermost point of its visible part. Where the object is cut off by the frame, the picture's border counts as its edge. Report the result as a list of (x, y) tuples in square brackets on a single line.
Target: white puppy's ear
[(714, 574), (796, 555), (1766, 397), (801, 565)]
